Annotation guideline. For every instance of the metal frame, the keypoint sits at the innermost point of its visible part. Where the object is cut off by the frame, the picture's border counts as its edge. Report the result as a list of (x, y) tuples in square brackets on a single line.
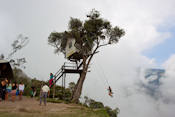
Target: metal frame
[(62, 73)]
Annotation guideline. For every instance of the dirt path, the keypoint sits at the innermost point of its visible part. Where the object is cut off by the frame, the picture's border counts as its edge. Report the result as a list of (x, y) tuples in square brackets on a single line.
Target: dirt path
[(30, 107)]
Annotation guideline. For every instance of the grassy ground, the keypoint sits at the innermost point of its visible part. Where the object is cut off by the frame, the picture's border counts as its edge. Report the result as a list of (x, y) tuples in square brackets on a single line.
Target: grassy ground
[(29, 107), (68, 112)]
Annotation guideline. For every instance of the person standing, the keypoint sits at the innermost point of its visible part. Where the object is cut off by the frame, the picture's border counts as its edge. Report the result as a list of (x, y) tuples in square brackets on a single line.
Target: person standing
[(2, 84), (4, 88), (8, 89), (51, 79), (13, 91), (45, 92), (21, 90), (32, 90)]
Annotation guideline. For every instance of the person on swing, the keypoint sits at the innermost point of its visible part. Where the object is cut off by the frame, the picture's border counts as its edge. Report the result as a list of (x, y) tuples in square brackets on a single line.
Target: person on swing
[(110, 91)]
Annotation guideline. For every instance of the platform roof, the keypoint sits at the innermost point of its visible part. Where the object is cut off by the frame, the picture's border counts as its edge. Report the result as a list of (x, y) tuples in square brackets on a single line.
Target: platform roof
[(5, 70)]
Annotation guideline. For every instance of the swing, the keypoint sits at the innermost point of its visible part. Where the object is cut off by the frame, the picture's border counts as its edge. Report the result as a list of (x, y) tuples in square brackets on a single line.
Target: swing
[(109, 89)]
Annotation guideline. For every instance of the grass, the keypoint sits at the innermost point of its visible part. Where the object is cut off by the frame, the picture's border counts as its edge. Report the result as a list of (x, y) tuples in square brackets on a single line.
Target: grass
[(85, 112), (53, 100), (73, 111), (70, 111)]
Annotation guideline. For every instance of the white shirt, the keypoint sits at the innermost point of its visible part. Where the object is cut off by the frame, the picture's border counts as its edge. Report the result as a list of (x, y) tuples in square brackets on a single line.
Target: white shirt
[(21, 87), (45, 88)]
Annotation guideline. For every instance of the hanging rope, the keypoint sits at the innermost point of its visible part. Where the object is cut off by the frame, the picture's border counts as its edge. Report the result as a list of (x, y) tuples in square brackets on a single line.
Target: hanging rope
[(100, 67), (102, 71), (100, 75)]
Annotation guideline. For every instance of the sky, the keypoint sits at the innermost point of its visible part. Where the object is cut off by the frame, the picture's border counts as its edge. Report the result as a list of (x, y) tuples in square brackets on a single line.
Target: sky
[(148, 43)]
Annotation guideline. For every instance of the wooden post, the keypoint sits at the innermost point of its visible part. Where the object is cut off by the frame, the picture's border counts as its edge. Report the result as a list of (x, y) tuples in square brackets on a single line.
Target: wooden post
[(54, 90), (64, 85)]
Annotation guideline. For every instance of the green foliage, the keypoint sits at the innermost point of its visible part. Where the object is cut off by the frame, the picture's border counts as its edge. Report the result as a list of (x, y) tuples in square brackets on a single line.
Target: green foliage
[(112, 113), (17, 45), (20, 76), (58, 92), (2, 57), (18, 62), (102, 112), (55, 39), (90, 103), (53, 100), (71, 86), (95, 105), (75, 24), (94, 30)]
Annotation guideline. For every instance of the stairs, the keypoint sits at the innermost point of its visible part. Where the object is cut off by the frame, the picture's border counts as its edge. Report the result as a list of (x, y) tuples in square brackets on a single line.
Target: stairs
[(71, 68), (57, 76)]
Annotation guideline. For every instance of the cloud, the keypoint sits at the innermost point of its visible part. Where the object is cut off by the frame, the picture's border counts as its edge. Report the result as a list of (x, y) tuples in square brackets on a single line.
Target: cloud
[(170, 63)]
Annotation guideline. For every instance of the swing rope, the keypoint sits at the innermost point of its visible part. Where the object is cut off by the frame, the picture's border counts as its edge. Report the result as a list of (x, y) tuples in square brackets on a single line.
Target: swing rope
[(100, 75), (100, 67), (102, 71)]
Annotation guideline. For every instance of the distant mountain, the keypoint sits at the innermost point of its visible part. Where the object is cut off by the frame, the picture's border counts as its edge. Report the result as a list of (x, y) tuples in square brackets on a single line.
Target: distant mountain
[(152, 77)]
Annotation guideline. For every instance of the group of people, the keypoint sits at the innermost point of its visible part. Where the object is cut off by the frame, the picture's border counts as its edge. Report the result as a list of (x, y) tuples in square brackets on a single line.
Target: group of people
[(6, 88)]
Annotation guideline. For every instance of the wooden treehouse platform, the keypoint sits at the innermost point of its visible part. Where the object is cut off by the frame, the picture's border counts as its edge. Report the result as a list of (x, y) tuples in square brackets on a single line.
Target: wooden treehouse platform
[(61, 74), (72, 71)]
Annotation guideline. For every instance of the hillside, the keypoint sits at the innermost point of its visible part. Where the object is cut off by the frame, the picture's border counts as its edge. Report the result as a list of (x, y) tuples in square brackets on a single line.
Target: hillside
[(30, 107)]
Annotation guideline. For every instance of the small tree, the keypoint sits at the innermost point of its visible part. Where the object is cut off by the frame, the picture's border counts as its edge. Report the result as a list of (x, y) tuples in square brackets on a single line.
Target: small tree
[(17, 45), (112, 113), (71, 86), (94, 33)]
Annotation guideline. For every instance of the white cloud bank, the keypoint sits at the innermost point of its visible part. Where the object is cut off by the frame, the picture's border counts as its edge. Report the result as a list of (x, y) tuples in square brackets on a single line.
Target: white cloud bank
[(169, 65)]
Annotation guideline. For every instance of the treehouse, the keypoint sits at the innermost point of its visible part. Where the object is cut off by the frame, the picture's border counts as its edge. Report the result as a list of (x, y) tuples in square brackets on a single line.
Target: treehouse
[(73, 49), (5, 70)]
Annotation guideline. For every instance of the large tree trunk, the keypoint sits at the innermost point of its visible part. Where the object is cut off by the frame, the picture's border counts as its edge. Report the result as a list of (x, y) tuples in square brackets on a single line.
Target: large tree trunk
[(78, 88)]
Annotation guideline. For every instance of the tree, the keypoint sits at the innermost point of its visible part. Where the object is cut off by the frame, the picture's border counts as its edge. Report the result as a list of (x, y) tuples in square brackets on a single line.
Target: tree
[(112, 113), (2, 57), (17, 45), (71, 86), (94, 33)]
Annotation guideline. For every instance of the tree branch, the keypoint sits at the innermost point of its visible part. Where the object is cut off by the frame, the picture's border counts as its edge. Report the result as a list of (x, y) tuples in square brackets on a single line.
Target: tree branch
[(91, 57), (103, 45)]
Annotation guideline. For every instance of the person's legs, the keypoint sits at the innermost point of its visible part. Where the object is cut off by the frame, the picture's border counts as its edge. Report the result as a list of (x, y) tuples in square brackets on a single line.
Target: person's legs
[(20, 95), (31, 94), (51, 82), (0, 94), (41, 98), (13, 92), (45, 98), (111, 94), (6, 95), (3, 94), (13, 98)]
